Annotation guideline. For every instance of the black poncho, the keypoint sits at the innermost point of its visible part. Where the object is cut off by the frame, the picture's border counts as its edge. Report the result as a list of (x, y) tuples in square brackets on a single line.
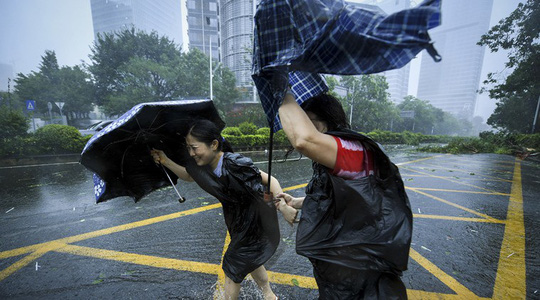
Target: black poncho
[(363, 225), (252, 223)]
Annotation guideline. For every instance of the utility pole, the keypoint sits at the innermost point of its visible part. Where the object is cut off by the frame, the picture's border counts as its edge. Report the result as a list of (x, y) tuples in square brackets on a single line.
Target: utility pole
[(9, 93), (536, 115), (351, 99), (210, 64), (202, 26)]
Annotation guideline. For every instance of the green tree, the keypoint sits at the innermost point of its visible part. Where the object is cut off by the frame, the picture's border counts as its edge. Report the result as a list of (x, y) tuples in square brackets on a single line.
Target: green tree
[(112, 51), (13, 123), (133, 66), (51, 83), (371, 106), (518, 93), (425, 115)]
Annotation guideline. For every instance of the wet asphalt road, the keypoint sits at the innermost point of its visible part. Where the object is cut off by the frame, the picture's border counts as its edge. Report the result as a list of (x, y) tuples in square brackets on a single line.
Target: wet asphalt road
[(475, 223)]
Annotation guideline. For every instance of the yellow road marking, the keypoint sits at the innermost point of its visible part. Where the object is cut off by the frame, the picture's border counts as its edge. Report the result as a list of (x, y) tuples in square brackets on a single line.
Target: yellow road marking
[(291, 279), (139, 259), (479, 220), (511, 264), (511, 275), (455, 205), (417, 294), (219, 293), (417, 160), (97, 233), (451, 180), (461, 191), (294, 187), (39, 252), (404, 175), (468, 172), (452, 283)]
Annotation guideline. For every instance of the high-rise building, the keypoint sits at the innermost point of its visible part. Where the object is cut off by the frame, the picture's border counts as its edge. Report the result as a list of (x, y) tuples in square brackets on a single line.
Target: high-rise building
[(163, 17), (203, 26), (398, 79), (451, 84), (237, 41)]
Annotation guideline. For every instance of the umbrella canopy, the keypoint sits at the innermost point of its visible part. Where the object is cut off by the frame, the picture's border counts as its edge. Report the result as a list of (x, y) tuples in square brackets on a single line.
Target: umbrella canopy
[(119, 155), (328, 36)]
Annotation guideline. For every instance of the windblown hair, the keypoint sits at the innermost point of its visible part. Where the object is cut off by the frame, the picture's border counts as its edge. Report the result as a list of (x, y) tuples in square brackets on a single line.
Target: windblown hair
[(329, 110), (206, 132)]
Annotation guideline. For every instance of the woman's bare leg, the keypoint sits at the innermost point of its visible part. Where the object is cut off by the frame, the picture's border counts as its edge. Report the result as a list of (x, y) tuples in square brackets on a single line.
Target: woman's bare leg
[(232, 289), (261, 278)]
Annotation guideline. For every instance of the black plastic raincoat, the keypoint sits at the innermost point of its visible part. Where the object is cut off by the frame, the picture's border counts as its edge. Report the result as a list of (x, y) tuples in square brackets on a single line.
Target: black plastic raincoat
[(251, 222), (357, 233)]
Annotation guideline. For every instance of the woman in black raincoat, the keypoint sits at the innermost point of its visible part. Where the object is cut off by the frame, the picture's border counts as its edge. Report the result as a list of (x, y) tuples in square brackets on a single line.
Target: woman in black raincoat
[(356, 221), (238, 185)]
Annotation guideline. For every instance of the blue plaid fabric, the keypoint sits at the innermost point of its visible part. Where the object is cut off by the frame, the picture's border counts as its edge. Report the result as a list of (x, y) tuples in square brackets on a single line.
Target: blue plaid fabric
[(328, 36)]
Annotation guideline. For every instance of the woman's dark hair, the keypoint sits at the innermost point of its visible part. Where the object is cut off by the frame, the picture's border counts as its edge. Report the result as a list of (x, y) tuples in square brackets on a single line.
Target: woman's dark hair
[(328, 109), (206, 132)]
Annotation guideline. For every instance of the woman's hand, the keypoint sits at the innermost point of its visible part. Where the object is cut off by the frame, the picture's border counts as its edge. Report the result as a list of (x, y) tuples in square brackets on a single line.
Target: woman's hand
[(292, 201), (159, 156)]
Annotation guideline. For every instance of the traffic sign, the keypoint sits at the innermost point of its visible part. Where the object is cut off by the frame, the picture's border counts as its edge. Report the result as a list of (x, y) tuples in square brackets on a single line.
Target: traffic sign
[(30, 104), (407, 114), (60, 105)]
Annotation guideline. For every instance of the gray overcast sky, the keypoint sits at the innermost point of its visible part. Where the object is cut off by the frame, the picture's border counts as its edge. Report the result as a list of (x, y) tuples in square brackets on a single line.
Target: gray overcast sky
[(29, 27)]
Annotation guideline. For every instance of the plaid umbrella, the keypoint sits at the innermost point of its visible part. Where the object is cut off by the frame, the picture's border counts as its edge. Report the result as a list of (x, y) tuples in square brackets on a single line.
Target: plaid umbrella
[(328, 36)]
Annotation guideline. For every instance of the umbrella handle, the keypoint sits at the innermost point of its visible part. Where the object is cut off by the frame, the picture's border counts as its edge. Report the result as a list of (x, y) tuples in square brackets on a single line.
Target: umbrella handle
[(180, 198)]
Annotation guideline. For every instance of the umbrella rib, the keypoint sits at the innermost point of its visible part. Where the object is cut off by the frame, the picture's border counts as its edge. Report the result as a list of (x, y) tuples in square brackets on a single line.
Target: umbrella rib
[(119, 141), (122, 161), (154, 120)]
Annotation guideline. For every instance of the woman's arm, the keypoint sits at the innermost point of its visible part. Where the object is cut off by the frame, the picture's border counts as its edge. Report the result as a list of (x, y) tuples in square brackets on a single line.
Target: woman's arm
[(274, 185), (289, 213), (304, 136), (160, 158)]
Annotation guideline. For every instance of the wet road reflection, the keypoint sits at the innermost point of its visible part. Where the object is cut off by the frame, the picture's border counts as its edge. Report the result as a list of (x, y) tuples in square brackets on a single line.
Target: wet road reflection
[(467, 237)]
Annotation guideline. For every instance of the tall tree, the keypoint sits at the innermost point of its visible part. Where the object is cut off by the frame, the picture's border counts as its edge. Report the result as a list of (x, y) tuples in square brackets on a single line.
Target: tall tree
[(518, 93), (132, 66), (371, 106), (51, 83), (111, 51), (425, 115)]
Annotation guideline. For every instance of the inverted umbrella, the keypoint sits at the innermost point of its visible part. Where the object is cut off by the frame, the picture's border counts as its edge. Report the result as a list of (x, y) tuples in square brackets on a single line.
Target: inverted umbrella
[(119, 155), (331, 37)]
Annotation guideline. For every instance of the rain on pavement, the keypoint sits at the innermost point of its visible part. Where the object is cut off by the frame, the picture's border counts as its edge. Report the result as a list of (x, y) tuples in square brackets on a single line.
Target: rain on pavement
[(473, 237)]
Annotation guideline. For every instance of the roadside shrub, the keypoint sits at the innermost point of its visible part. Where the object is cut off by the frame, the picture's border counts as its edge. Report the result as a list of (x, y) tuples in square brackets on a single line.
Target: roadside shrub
[(19, 146), (231, 131), (411, 138), (247, 141), (263, 131), (13, 123), (280, 139), (248, 128), (58, 139)]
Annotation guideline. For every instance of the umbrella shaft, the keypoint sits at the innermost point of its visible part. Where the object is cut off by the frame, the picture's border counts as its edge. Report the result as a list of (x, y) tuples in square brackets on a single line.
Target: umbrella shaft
[(271, 146), (172, 183)]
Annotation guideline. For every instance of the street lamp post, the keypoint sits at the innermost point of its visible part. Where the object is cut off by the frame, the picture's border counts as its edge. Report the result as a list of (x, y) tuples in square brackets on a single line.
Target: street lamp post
[(202, 26), (536, 115), (210, 64)]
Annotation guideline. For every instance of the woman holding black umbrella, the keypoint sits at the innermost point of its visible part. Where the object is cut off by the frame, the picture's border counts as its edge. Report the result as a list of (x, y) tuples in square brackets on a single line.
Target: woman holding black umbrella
[(238, 185), (356, 221)]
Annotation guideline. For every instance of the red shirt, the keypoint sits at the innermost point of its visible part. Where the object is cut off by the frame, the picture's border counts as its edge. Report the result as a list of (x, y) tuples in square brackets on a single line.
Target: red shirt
[(352, 161)]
